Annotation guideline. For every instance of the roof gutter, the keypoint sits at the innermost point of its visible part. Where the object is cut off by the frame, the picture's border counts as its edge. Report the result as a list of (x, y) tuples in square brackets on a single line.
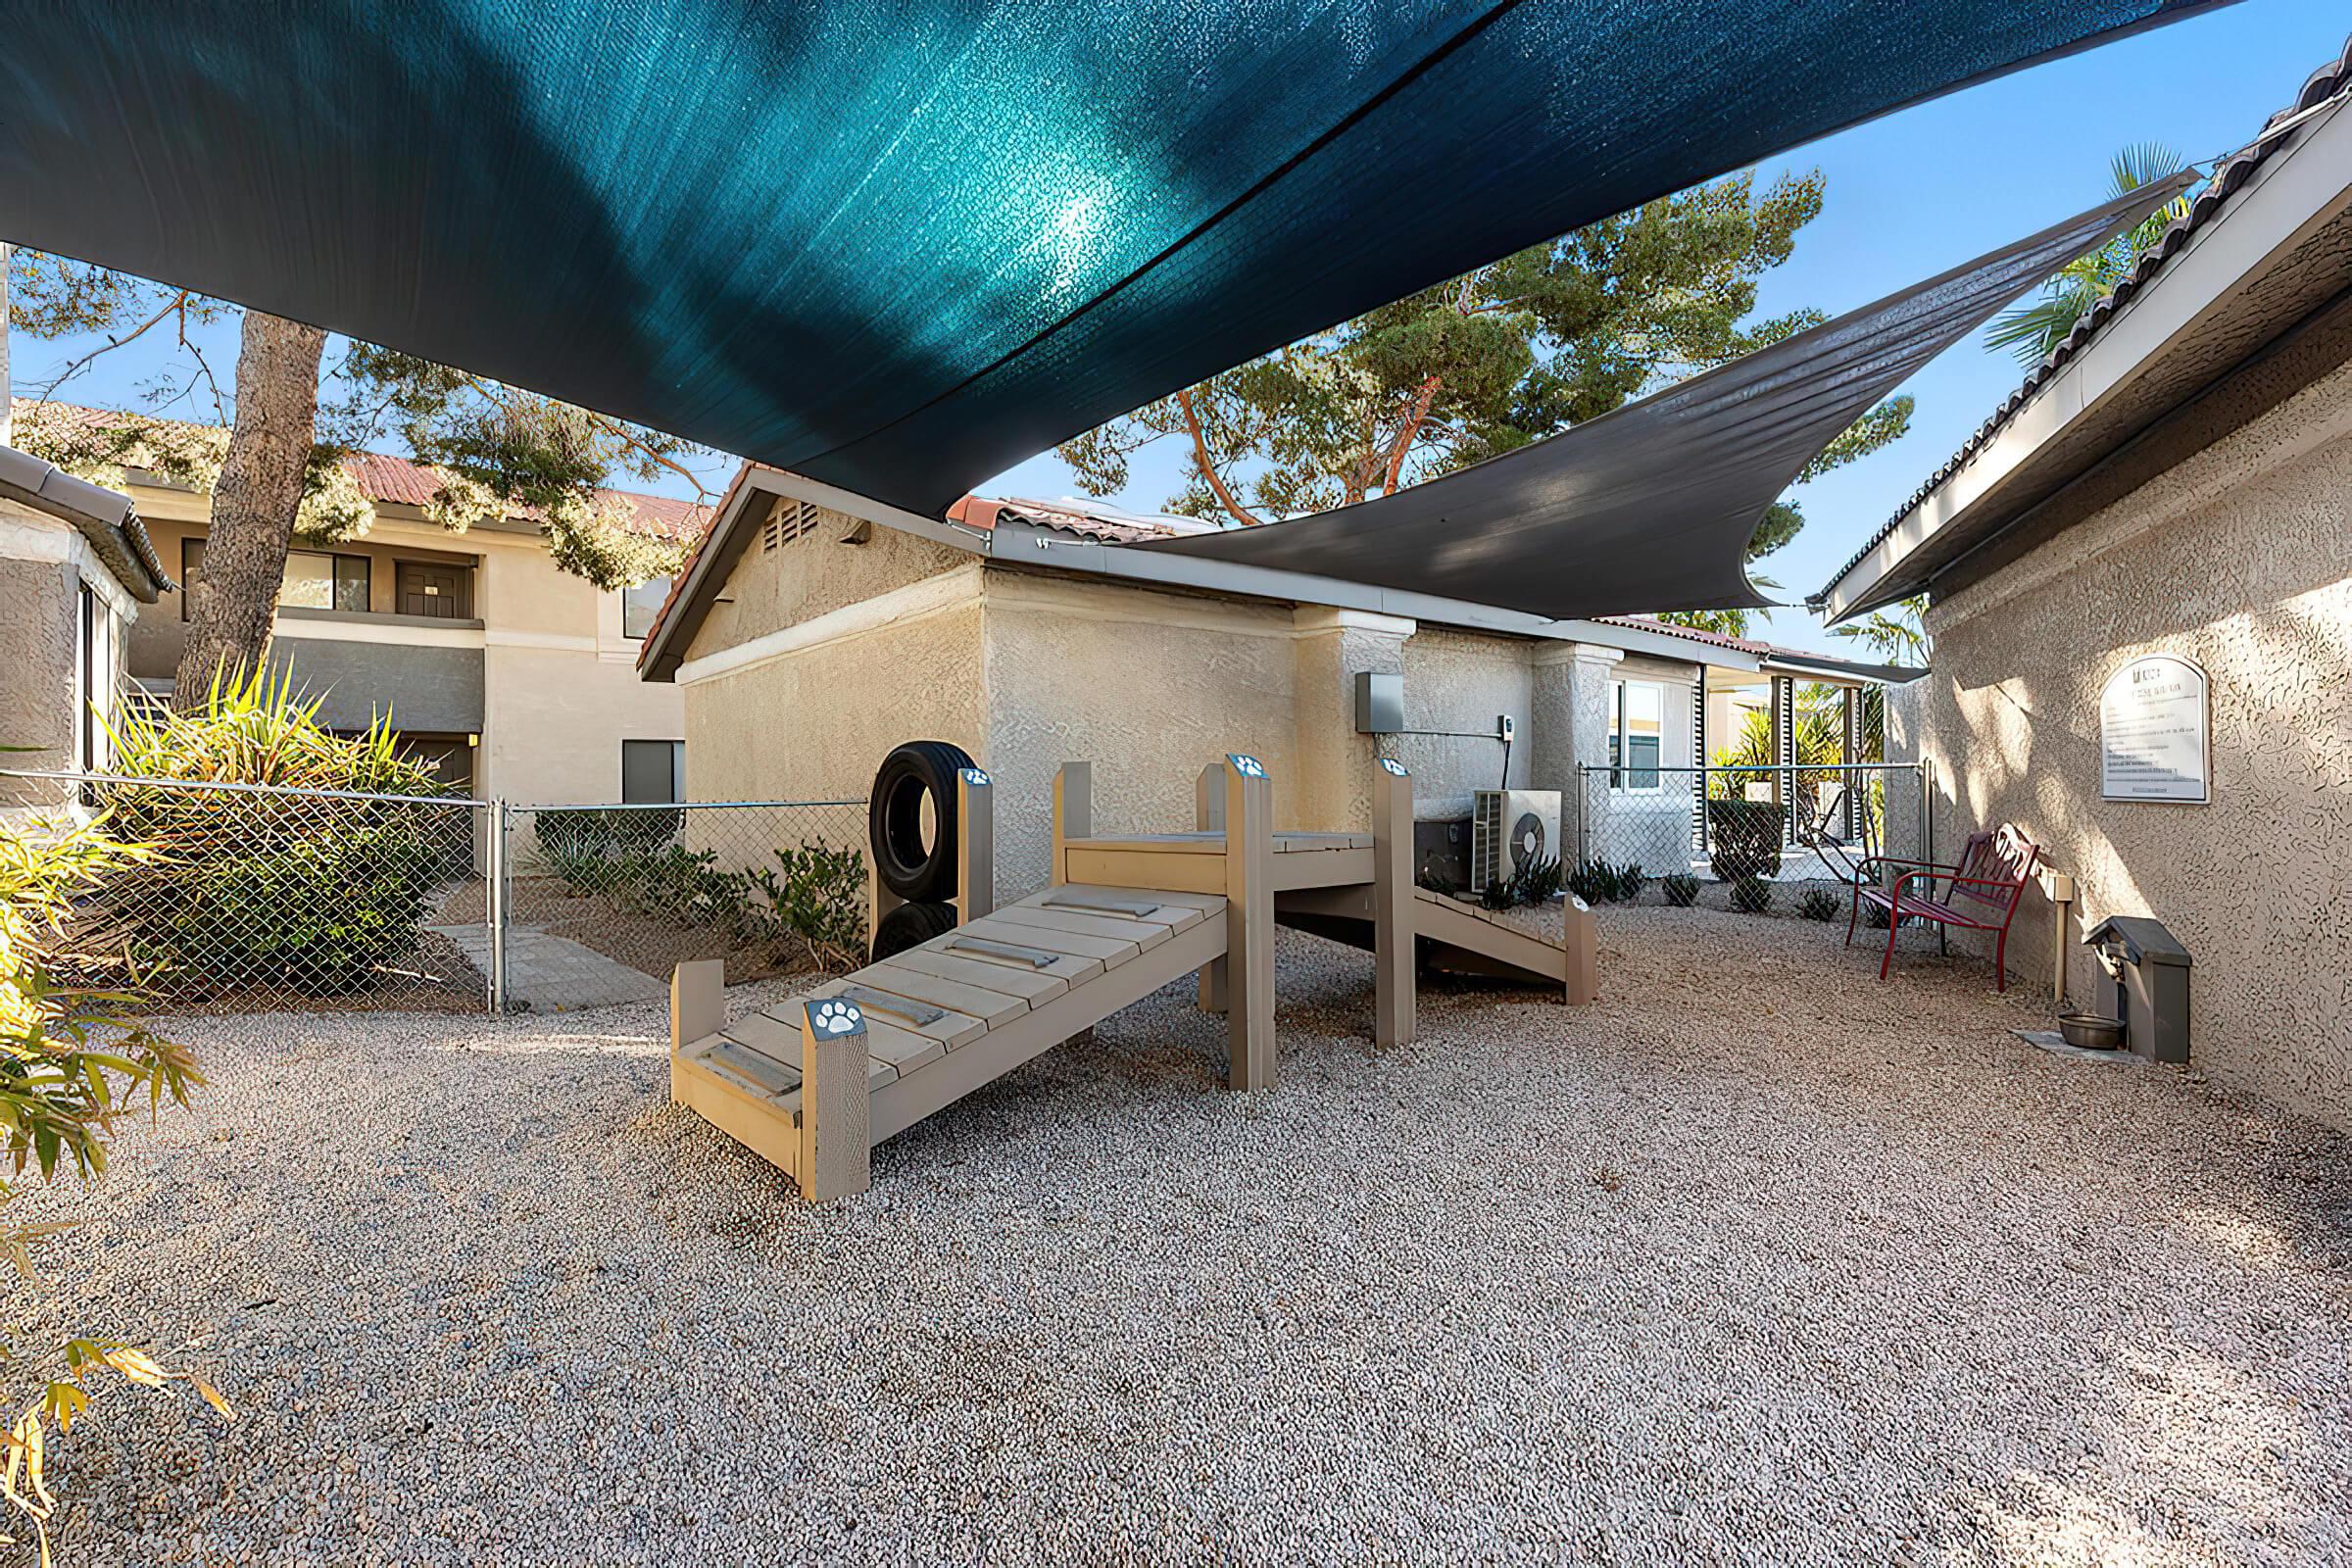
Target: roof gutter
[(104, 517), (2296, 188)]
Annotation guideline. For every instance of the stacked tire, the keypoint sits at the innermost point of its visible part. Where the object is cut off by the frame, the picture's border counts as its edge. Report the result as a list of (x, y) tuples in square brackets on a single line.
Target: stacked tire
[(921, 874)]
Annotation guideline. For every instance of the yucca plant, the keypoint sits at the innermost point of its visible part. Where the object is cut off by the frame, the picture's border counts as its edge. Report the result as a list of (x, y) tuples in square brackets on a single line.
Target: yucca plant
[(1680, 888), (310, 893)]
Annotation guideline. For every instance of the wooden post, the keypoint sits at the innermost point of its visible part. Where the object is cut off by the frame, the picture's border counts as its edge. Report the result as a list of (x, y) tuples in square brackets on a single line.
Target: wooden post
[(1249, 924), (976, 856), (1208, 816), (1394, 1020), (1074, 813), (836, 1142), (698, 1008), (1582, 939)]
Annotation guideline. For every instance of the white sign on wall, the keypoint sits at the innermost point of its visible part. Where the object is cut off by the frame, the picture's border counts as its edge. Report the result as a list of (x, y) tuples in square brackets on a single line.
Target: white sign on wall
[(2154, 725)]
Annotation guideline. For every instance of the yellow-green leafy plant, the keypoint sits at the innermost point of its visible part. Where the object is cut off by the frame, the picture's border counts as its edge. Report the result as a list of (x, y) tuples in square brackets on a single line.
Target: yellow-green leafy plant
[(72, 1062), (313, 893)]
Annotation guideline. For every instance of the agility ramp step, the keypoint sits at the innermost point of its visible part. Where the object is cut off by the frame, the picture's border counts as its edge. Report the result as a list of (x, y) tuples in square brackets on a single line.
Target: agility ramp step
[(961, 1010)]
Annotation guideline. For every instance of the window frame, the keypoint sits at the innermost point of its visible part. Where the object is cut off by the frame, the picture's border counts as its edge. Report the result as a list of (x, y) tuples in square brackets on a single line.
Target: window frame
[(651, 610), (337, 575), (1622, 767), (677, 770)]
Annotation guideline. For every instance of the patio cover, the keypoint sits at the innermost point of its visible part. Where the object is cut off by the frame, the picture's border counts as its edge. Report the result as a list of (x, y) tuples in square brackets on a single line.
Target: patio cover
[(897, 245), (1650, 507)]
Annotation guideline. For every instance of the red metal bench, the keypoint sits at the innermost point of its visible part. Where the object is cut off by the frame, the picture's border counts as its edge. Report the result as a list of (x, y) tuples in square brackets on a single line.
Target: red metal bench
[(1990, 876)]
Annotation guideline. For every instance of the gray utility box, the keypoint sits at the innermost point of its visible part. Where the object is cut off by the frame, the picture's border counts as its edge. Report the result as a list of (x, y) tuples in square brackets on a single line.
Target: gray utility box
[(1378, 703), (2150, 968)]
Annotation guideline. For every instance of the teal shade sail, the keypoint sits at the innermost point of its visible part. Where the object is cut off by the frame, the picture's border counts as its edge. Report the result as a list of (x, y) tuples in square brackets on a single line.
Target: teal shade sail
[(899, 245)]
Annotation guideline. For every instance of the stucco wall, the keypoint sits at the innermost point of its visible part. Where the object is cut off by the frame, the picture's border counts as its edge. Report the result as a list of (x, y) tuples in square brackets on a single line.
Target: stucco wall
[(1461, 681), (2237, 557), (812, 572), (36, 649), (815, 723), (1148, 687)]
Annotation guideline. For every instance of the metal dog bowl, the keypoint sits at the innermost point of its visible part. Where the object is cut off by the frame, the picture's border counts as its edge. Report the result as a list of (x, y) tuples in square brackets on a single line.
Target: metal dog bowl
[(2090, 1031)]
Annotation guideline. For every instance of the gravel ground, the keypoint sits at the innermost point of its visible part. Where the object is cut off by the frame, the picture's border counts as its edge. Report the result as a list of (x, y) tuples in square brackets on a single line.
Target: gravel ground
[(1755, 1261)]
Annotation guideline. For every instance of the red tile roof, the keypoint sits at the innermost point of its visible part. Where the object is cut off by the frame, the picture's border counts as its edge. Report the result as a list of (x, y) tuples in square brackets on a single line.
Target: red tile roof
[(399, 481), (979, 511)]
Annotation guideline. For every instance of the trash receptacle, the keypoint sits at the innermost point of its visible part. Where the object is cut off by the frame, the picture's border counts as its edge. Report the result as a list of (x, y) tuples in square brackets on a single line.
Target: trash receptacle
[(2150, 969)]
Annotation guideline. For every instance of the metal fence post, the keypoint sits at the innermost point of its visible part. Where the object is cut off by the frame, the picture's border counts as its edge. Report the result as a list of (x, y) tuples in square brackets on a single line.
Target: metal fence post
[(498, 906), (1926, 810), (1584, 813)]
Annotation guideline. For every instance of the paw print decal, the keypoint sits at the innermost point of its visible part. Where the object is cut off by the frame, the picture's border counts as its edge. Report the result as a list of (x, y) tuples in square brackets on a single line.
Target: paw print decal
[(1246, 766), (973, 776), (1393, 768), (830, 1020)]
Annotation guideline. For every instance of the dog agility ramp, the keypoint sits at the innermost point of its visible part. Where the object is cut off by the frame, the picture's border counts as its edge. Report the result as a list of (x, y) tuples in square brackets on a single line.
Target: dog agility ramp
[(935, 1023)]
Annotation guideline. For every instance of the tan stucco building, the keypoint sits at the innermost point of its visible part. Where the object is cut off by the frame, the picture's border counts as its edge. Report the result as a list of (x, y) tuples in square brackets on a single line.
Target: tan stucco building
[(2177, 481), (513, 676), (816, 630)]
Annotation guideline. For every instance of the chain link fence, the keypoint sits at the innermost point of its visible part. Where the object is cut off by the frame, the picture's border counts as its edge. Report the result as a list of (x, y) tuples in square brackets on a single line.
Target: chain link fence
[(265, 899), (1695, 835), (597, 903), (257, 899)]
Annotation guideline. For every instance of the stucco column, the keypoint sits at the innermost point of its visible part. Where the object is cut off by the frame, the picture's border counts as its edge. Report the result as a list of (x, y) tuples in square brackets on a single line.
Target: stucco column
[(1570, 720), (1334, 790)]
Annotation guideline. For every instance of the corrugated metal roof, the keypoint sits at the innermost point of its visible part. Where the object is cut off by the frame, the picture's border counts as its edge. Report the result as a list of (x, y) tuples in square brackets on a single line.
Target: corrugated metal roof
[(383, 477), (2326, 82)]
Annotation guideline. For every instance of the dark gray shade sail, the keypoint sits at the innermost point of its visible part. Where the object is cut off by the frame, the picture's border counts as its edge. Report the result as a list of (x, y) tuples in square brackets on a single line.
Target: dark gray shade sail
[(1650, 507), (899, 245)]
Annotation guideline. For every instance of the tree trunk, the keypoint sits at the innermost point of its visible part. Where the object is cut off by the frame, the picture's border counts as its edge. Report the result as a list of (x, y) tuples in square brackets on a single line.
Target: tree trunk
[(254, 504)]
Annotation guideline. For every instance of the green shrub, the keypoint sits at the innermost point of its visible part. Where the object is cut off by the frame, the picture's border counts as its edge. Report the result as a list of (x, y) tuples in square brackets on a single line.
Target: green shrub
[(1876, 916), (577, 836), (817, 894), (1627, 881), (1751, 895), (1680, 888), (314, 913), (1593, 881), (1537, 881), (1819, 903), (308, 893), (1743, 837), (74, 1064)]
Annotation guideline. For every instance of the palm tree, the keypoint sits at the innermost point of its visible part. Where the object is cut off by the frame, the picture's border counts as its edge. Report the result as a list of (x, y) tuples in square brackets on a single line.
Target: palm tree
[(2032, 332), (1897, 635)]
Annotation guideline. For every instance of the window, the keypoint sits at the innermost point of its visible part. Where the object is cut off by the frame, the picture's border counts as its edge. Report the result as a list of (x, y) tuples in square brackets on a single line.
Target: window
[(1636, 727), (640, 604), (316, 580), (652, 772)]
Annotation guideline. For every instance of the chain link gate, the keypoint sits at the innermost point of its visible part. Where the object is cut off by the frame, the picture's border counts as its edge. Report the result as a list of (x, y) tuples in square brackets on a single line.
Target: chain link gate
[(597, 903)]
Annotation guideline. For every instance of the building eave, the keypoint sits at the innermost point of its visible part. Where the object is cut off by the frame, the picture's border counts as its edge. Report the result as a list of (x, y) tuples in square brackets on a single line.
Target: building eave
[(1016, 544)]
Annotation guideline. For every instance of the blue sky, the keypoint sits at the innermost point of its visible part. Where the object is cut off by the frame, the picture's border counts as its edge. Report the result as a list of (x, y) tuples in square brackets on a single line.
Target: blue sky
[(1908, 195)]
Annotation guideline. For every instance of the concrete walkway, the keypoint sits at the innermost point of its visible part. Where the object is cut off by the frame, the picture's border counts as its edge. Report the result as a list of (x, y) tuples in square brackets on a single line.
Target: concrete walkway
[(555, 974)]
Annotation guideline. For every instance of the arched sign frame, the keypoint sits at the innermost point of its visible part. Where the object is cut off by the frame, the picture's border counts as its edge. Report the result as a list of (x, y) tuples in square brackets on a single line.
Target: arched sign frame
[(2163, 703)]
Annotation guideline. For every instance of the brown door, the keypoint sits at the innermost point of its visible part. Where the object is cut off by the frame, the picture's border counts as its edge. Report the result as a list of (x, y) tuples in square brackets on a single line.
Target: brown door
[(426, 589)]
